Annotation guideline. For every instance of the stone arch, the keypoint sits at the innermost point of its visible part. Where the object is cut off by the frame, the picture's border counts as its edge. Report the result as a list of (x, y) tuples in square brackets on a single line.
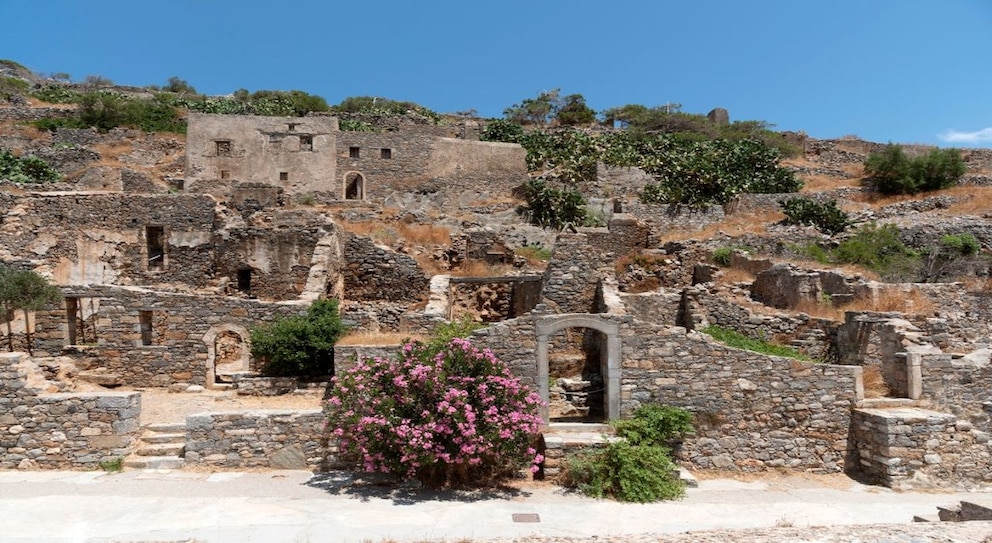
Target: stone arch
[(354, 186), (545, 327), (217, 334)]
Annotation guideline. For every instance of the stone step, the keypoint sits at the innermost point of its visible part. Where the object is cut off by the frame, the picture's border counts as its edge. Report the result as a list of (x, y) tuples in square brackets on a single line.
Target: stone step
[(154, 462), (581, 427), (161, 449), (167, 427), (155, 438), (926, 518), (887, 403)]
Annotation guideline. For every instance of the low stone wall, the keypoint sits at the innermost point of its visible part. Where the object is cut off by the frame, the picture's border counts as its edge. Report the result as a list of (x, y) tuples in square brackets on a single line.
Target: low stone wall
[(916, 448), (345, 356), (274, 439), (960, 385), (62, 430)]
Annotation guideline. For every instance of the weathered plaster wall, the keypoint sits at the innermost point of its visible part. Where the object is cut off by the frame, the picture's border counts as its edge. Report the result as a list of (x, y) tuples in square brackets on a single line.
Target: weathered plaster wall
[(271, 150)]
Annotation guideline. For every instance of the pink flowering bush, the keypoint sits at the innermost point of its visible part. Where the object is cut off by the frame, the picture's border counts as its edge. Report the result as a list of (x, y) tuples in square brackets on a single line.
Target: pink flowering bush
[(445, 415)]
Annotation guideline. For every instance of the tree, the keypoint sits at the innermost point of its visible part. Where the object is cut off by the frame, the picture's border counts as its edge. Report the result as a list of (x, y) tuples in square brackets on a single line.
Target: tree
[(179, 86), (574, 111), (539, 110), (27, 291), (302, 345)]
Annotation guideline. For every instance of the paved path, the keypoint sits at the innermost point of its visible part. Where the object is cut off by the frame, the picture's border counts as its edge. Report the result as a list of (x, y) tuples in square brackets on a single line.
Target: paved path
[(293, 506)]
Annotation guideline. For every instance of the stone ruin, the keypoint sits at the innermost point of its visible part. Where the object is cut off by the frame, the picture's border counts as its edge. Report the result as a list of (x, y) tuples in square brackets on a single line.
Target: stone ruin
[(164, 278)]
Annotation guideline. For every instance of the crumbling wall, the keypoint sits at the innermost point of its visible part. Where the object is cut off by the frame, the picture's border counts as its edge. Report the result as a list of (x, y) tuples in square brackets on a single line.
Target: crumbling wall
[(99, 238), (960, 385), (40, 430), (373, 272), (295, 153), (166, 348), (572, 275)]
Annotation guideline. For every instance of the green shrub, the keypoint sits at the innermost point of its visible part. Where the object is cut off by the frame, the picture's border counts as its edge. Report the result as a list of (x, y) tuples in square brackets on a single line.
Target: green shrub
[(737, 340), (655, 425), (962, 244), (11, 87), (300, 346), (879, 249), (354, 125), (57, 94), (625, 472), (444, 332), (552, 207), (502, 130), (27, 169), (721, 255), (826, 217), (890, 171)]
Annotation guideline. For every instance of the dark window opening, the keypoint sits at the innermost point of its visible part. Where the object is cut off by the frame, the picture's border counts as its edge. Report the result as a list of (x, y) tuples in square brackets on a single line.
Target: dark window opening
[(354, 187), (306, 143), (225, 174), (292, 126), (155, 243), (145, 320), (284, 176), (223, 147), (244, 280), (386, 153), (354, 152), (71, 312), (80, 314)]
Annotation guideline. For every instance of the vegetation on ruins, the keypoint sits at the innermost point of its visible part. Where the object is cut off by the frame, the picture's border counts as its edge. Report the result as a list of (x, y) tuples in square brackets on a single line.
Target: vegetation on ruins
[(826, 216), (446, 415), (25, 169), (737, 340), (891, 171), (26, 291), (639, 467), (550, 107), (299, 345), (384, 107)]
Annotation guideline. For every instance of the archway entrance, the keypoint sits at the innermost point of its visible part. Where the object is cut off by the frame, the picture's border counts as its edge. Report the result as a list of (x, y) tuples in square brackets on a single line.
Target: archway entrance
[(228, 353), (354, 186), (587, 348)]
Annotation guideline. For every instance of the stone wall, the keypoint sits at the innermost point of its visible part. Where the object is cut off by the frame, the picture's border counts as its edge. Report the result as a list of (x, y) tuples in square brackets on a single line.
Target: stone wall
[(268, 439), (752, 411), (572, 275), (100, 238), (295, 153), (960, 385), (387, 161), (60, 430), (174, 346), (916, 448), (345, 356), (373, 272)]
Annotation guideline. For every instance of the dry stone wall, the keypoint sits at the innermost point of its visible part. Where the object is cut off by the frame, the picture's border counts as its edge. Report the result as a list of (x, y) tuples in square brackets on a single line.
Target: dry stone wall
[(918, 448), (60, 430), (272, 439), (374, 273)]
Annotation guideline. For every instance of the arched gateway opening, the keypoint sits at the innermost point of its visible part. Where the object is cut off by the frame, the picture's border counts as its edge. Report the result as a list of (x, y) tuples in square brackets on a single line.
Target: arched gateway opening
[(590, 351), (228, 353)]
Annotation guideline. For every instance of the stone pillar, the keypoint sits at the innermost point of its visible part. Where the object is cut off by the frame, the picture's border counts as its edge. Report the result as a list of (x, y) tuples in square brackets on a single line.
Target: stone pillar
[(543, 374), (914, 375)]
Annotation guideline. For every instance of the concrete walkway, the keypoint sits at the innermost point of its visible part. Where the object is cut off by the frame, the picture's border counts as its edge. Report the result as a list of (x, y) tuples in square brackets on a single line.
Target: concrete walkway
[(294, 506)]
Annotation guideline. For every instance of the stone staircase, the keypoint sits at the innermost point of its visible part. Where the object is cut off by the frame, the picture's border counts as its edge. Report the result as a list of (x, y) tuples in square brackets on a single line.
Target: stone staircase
[(162, 446)]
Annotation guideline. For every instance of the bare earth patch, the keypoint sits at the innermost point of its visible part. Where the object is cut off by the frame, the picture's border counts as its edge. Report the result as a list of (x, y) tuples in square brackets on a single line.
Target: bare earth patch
[(161, 406)]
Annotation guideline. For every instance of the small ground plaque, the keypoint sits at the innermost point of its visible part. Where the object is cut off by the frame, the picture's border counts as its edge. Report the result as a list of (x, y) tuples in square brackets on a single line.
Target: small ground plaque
[(526, 517)]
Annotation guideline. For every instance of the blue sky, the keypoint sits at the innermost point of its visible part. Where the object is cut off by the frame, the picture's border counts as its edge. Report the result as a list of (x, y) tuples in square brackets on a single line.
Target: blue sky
[(907, 71)]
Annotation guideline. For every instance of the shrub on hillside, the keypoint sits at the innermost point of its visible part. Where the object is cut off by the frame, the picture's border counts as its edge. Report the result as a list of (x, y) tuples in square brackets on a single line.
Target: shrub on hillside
[(879, 249), (301, 345), (26, 169), (827, 217), (452, 415), (891, 171)]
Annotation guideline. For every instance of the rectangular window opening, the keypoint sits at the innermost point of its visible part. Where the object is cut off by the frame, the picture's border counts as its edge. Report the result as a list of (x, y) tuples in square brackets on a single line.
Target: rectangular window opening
[(155, 243), (284, 176), (386, 153), (306, 143), (292, 126), (145, 320), (354, 152), (225, 174), (244, 280), (223, 147), (71, 316)]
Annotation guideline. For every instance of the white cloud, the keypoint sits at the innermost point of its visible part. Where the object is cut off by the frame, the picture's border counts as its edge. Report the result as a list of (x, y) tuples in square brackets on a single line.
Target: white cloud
[(978, 136)]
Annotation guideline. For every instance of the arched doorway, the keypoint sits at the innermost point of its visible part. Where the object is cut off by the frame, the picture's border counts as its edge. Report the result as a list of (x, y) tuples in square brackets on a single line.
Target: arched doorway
[(590, 347), (228, 353), (354, 186)]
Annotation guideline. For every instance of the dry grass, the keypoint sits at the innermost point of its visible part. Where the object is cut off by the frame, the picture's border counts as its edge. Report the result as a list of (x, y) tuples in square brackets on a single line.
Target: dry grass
[(891, 299), (377, 338), (732, 276), (734, 225), (478, 268), (113, 151), (821, 310), (974, 200), (873, 381), (424, 234), (820, 183)]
